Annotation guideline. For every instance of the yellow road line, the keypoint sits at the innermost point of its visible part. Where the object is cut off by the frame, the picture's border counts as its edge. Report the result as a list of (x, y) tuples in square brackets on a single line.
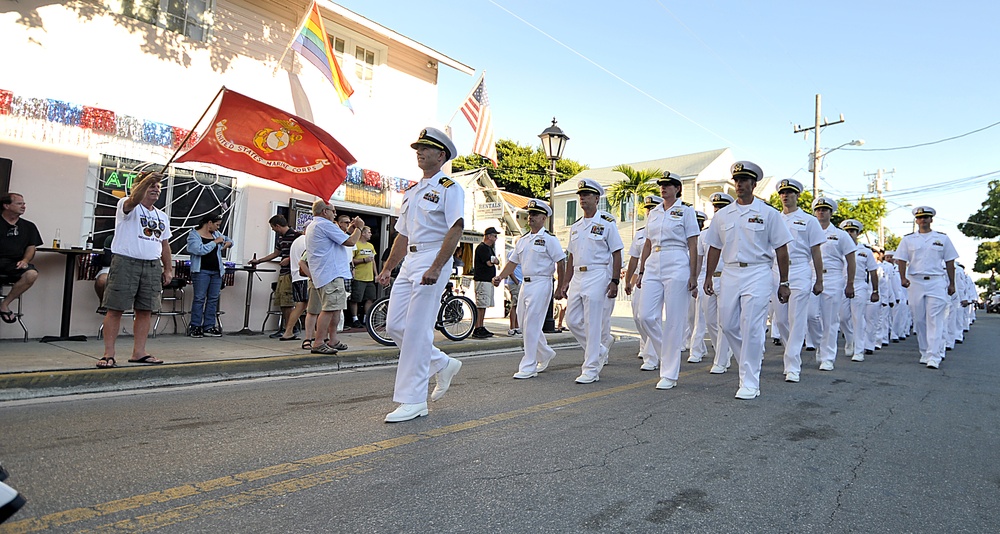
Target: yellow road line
[(289, 486)]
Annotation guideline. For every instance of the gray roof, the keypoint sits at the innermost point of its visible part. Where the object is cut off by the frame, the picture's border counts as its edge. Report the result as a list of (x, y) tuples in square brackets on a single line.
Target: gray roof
[(687, 166)]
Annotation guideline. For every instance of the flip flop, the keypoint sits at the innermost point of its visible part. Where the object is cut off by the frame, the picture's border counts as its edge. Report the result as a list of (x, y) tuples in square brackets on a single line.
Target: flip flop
[(147, 359), (293, 338), (106, 362), (8, 317)]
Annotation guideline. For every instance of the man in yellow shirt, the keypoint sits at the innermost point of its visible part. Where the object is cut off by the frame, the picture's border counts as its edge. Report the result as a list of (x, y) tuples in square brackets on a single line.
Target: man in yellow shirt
[(363, 285)]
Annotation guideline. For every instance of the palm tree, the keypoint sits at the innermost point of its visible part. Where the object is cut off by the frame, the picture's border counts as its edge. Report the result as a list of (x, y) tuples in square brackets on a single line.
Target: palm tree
[(635, 186)]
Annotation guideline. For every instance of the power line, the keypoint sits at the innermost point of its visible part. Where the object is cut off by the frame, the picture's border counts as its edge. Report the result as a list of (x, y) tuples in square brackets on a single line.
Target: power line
[(924, 144)]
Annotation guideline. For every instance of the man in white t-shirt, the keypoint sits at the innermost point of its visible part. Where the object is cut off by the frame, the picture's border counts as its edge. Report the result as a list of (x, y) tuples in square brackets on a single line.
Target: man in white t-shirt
[(300, 288)]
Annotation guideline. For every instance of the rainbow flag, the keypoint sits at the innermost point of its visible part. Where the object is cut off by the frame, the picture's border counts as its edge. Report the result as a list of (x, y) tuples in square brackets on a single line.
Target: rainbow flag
[(313, 44)]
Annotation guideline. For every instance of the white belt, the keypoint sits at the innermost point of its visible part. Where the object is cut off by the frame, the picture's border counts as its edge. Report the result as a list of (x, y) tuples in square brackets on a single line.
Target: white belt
[(585, 268), (537, 278), (744, 264), (421, 247)]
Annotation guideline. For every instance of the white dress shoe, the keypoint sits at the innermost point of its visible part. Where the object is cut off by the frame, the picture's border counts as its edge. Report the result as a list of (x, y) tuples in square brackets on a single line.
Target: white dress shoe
[(602, 356), (648, 367), (717, 370), (587, 379), (522, 374), (694, 359), (543, 365), (791, 377), (858, 358), (826, 366), (747, 393), (405, 412), (666, 383), (10, 501), (933, 365), (444, 377)]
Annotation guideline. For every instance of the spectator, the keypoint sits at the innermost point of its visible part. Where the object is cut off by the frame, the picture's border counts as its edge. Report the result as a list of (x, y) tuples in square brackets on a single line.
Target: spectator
[(328, 262), (343, 220), (205, 245), (300, 288), (101, 280), (484, 265), (283, 291), (18, 240), (363, 289)]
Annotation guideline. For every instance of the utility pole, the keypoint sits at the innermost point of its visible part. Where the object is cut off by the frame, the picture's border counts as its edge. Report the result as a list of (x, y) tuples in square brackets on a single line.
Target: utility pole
[(816, 153), (879, 183)]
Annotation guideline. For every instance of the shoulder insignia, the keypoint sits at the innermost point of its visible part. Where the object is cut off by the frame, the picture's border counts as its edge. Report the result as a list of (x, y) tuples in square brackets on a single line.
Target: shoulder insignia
[(526, 232), (411, 186), (911, 233), (445, 181), (640, 229), (578, 220), (549, 233), (607, 217)]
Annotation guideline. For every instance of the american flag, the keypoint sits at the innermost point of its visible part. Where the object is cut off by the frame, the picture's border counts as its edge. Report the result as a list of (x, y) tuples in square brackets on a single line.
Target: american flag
[(477, 110)]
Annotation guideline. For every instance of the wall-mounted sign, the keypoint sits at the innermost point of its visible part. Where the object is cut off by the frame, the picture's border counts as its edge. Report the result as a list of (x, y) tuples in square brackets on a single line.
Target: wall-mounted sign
[(489, 210)]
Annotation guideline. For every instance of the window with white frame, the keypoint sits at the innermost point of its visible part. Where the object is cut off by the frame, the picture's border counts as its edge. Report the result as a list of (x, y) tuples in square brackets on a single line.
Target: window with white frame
[(570, 212), (191, 18), (359, 58)]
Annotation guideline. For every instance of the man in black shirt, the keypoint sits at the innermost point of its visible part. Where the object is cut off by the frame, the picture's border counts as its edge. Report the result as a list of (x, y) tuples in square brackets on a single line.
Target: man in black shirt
[(18, 239), (283, 291), (484, 270)]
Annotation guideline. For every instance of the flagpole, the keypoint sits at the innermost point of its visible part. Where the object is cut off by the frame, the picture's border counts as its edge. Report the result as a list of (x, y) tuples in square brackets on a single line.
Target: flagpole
[(295, 34), (191, 131), (466, 99)]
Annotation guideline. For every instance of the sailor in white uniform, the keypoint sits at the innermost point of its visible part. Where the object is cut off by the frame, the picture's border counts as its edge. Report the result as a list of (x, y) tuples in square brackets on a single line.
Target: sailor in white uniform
[(852, 312), (646, 352), (710, 303), (838, 281)]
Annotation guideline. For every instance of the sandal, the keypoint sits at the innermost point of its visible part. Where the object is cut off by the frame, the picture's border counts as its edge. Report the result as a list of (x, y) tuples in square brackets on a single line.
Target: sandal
[(307, 344), (8, 317), (324, 349), (293, 338), (340, 346), (147, 359), (106, 362)]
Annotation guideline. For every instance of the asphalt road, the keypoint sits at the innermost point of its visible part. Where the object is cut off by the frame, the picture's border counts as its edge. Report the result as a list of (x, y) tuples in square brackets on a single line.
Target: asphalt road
[(880, 446)]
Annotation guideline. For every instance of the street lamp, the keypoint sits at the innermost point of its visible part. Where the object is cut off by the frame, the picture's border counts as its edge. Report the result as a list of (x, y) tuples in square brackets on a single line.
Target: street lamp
[(553, 143), (817, 155)]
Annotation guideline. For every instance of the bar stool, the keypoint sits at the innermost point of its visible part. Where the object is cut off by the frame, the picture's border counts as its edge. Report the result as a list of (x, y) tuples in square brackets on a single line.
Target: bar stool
[(272, 309), (5, 288), (175, 295)]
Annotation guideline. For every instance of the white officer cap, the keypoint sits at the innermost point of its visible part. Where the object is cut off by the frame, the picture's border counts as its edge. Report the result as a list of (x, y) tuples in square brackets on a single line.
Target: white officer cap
[(746, 169), (539, 206), (436, 138), (588, 185), (651, 201), (700, 215), (852, 224), (669, 178), (924, 211), (789, 184), (824, 202), (721, 199), (890, 253)]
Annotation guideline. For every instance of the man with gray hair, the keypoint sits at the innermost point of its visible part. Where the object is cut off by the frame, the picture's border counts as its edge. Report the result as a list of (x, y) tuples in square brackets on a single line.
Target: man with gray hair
[(328, 262)]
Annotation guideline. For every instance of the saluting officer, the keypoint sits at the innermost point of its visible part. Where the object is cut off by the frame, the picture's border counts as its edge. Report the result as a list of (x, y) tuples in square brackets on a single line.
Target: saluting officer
[(926, 260), (594, 244), (747, 236), (646, 352), (852, 312), (668, 270), (540, 255), (430, 225), (710, 302), (838, 281), (805, 274)]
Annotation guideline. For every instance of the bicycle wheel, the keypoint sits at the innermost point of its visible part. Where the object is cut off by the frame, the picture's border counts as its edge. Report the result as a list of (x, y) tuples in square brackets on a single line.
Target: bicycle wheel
[(457, 318), (375, 323)]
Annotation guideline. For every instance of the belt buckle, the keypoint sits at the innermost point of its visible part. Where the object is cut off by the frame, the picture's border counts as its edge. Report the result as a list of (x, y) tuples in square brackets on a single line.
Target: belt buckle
[(657, 248), (413, 248), (743, 264), (527, 278), (716, 274), (927, 278), (583, 269)]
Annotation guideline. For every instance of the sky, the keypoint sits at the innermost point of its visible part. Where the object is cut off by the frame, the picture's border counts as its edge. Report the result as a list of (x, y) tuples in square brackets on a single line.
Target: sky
[(638, 80)]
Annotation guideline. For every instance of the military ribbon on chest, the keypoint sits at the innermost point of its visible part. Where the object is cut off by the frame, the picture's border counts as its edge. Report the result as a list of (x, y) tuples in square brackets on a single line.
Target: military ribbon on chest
[(756, 220), (432, 196), (597, 229), (540, 241)]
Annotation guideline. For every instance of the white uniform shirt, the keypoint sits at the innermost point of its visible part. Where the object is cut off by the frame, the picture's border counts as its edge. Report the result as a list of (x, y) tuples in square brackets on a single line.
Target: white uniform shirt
[(835, 250), (865, 261), (591, 241), (140, 233), (925, 254), (671, 226), (747, 234), (806, 233), (635, 250), (886, 294), (430, 209), (537, 254)]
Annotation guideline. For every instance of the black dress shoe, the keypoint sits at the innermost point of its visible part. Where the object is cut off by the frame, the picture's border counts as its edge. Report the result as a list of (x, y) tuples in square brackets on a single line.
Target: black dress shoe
[(810, 349), (776, 341), (869, 352)]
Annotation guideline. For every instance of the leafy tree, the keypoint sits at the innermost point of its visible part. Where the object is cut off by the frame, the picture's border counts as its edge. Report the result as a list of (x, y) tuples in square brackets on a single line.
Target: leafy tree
[(866, 210), (985, 223), (892, 240), (987, 258), (637, 183), (521, 169)]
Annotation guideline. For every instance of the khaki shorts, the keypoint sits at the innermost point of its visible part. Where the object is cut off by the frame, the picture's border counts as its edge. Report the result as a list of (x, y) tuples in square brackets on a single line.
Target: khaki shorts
[(134, 284), (283, 291), (333, 296), (484, 294)]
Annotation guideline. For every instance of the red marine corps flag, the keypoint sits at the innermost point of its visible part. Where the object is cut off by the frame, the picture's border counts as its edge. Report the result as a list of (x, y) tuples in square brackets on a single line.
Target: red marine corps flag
[(252, 137)]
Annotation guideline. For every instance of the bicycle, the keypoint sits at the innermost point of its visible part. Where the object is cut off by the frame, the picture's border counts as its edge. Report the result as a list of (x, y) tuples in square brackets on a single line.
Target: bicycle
[(456, 317)]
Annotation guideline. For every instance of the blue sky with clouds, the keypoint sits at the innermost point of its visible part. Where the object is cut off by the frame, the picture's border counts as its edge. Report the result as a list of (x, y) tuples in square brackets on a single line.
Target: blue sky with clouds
[(645, 79)]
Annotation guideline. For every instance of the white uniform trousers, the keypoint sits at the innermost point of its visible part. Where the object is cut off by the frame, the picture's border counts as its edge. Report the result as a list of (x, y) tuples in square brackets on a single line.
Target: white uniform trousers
[(830, 302), (852, 322), (585, 304), (743, 305), (928, 301), (884, 322), (957, 314), (531, 306), (873, 329), (692, 313), (792, 317), (896, 320), (665, 294), (697, 341), (609, 309), (410, 321), (646, 352)]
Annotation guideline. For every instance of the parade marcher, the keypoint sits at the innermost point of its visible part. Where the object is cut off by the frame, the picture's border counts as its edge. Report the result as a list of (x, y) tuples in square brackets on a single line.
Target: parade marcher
[(805, 275), (19, 238), (205, 244), (886, 301), (668, 274), (696, 343), (710, 303), (646, 352), (838, 281), (852, 311), (594, 244), (899, 299), (747, 235), (140, 268), (10, 500), (540, 255), (430, 224), (283, 290), (926, 260)]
